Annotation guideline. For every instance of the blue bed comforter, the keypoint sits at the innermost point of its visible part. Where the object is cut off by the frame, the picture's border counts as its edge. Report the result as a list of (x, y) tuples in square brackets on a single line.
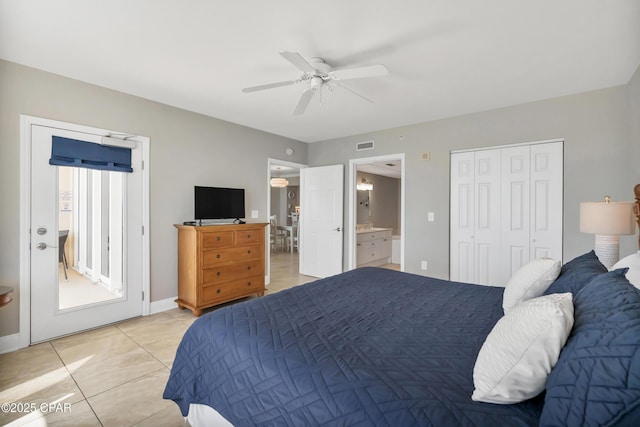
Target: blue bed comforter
[(366, 347)]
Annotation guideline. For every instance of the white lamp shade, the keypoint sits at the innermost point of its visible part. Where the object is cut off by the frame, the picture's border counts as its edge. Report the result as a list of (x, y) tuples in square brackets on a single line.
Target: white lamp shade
[(607, 219)]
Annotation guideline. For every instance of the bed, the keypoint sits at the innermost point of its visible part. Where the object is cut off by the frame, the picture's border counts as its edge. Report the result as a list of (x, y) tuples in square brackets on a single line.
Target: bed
[(380, 347)]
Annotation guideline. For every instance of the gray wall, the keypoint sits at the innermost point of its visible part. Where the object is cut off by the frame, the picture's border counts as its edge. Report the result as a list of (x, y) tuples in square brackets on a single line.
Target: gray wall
[(601, 157), (186, 149)]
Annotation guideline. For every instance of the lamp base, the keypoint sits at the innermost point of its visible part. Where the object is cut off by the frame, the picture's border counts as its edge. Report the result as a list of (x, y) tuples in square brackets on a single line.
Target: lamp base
[(607, 249)]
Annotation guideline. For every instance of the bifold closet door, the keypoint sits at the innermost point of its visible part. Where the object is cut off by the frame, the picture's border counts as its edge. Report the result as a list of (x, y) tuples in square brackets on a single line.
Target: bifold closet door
[(506, 209), (462, 217), (475, 217), (532, 184)]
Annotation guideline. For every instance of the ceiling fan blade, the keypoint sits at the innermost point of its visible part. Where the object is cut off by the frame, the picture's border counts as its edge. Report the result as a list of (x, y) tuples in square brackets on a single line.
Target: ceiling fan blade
[(360, 72), (335, 83), (268, 86), (298, 60), (304, 101)]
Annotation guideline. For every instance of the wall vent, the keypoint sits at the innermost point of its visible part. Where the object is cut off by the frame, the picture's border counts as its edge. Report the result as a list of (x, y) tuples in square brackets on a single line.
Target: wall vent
[(367, 145)]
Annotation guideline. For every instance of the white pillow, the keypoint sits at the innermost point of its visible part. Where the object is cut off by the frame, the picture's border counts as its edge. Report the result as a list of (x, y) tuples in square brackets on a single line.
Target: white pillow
[(517, 356), (632, 262), (530, 281)]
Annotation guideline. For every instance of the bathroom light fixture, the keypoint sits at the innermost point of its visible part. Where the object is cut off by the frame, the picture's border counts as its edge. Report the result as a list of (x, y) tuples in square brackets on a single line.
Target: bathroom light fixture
[(364, 185)]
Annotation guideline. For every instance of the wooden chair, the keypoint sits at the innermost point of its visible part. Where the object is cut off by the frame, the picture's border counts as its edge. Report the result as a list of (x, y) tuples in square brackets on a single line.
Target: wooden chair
[(276, 237)]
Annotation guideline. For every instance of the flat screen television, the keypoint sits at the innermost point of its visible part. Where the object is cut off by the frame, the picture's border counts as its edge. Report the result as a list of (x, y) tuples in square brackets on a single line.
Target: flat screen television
[(219, 203)]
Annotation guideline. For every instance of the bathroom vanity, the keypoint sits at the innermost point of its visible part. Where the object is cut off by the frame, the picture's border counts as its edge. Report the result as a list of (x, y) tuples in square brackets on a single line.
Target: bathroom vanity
[(373, 246)]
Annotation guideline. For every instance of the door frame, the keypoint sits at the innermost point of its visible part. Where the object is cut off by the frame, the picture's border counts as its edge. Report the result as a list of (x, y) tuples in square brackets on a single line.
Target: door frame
[(25, 214), (271, 162), (352, 220)]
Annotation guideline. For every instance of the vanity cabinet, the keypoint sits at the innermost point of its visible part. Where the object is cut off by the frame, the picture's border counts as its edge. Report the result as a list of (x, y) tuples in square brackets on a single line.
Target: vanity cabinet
[(373, 247), (219, 263)]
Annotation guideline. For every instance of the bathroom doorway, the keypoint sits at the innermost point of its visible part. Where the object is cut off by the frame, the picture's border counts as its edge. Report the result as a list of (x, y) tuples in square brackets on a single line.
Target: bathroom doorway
[(376, 212)]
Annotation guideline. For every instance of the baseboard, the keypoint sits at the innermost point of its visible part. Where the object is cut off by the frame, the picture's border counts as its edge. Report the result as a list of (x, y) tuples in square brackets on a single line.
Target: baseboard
[(9, 343), (162, 305)]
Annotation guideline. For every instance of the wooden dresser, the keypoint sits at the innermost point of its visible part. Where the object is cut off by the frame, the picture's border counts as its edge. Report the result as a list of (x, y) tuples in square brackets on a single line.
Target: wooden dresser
[(219, 263)]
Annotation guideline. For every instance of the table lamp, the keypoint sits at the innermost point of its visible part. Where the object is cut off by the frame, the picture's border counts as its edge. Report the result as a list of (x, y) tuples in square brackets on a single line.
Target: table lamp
[(608, 221)]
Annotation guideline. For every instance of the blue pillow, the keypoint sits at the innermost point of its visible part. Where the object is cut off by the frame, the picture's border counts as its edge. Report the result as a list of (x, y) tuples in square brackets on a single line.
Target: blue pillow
[(577, 273), (596, 381)]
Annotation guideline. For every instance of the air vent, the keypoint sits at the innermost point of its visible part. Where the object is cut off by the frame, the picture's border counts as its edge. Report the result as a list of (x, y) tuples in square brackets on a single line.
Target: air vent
[(367, 145)]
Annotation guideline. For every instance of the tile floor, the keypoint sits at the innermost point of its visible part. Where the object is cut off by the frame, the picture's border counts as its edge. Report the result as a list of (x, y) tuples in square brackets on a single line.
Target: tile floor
[(111, 376)]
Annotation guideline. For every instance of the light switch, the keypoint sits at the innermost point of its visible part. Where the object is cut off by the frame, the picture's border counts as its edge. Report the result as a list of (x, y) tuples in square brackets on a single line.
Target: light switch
[(431, 217), (254, 214)]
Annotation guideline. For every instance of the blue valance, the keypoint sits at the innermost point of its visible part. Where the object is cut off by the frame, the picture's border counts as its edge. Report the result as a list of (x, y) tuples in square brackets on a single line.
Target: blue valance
[(82, 154)]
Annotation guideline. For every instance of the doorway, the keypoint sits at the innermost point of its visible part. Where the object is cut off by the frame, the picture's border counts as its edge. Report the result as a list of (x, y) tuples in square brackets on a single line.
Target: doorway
[(84, 224), (283, 211), (376, 212)]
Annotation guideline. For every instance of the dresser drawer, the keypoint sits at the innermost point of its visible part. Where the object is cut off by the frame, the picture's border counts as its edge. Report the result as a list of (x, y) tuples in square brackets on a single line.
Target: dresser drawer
[(228, 272), (214, 257), (231, 290), (217, 239), (249, 236)]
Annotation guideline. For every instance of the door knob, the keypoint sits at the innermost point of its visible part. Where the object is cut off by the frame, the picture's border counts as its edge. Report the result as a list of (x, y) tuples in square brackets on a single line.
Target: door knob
[(337, 229), (41, 246)]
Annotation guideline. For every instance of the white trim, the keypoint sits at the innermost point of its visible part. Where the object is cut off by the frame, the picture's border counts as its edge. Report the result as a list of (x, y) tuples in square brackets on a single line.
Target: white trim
[(26, 122), (267, 246), (162, 305), (10, 343), (352, 220), (519, 144)]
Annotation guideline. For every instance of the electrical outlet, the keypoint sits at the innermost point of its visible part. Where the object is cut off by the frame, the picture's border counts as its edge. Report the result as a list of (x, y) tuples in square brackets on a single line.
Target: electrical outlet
[(431, 217), (254, 214), (423, 265)]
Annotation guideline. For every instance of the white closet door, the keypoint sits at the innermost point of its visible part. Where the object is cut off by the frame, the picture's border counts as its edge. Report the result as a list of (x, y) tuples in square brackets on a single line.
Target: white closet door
[(546, 200), (515, 208), (487, 217), (506, 209), (462, 214)]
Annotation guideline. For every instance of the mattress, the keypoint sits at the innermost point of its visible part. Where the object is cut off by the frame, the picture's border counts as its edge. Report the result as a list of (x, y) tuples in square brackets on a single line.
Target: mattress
[(366, 347)]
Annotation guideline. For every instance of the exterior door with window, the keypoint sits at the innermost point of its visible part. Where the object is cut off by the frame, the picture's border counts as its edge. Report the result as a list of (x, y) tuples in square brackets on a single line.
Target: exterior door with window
[(86, 249)]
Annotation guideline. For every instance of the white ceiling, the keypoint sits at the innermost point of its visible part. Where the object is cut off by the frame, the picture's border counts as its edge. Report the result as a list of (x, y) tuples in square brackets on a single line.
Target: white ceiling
[(445, 58)]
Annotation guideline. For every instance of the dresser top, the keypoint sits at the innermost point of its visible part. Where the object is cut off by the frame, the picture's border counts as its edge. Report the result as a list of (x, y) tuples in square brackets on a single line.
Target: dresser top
[(216, 227)]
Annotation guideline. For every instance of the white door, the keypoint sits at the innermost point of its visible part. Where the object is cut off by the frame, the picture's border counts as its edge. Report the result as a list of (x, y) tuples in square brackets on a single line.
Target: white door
[(546, 200), (321, 216), (462, 264), (48, 318), (516, 207), (487, 217)]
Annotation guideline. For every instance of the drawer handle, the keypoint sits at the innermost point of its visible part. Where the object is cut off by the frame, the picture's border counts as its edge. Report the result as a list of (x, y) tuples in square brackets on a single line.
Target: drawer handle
[(249, 251), (248, 283), (218, 238), (249, 267), (218, 291), (217, 273), (218, 256), (248, 236), (359, 244)]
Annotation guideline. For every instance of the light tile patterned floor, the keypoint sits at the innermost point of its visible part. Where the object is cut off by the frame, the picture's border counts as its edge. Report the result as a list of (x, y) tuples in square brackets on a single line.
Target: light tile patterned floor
[(111, 376)]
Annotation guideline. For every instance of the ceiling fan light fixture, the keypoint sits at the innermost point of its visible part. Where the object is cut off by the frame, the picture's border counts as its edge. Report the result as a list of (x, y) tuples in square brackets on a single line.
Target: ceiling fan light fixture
[(278, 182)]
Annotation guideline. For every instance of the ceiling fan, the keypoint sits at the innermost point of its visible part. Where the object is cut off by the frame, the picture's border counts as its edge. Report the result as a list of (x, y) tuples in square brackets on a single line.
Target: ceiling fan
[(316, 74)]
